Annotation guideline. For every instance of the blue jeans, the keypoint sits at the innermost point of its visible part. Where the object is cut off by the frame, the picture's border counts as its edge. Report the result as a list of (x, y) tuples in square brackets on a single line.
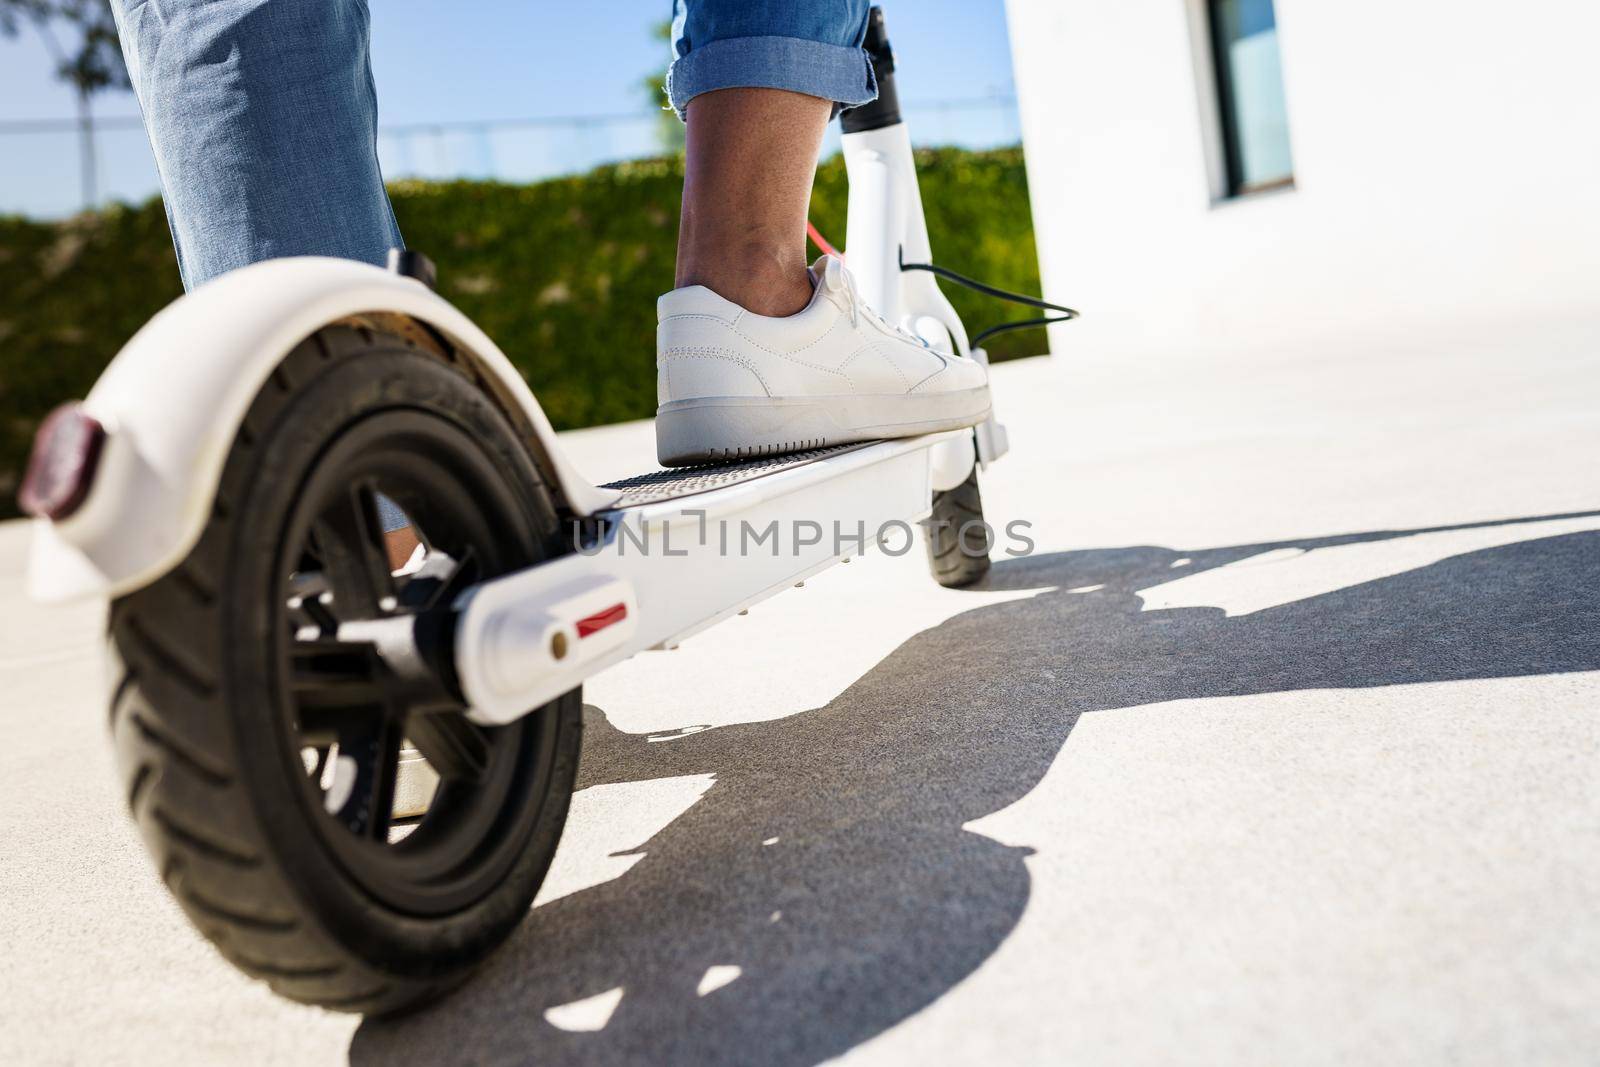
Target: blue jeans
[(263, 116)]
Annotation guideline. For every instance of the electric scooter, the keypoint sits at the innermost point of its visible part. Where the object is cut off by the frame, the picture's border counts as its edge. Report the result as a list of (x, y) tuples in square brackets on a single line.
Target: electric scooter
[(272, 656)]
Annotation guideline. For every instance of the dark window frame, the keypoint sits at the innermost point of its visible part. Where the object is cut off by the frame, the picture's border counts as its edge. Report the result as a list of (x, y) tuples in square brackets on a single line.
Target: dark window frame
[(1228, 114)]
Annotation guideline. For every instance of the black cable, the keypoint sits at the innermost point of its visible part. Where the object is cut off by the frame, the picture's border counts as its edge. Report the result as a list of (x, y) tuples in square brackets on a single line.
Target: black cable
[(1066, 314), (1023, 324)]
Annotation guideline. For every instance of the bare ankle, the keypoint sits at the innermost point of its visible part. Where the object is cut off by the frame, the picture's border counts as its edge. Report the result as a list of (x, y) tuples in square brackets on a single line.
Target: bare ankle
[(751, 156), (762, 288)]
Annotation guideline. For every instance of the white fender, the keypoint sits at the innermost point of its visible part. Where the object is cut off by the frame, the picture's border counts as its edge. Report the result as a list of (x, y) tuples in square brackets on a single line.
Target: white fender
[(174, 396)]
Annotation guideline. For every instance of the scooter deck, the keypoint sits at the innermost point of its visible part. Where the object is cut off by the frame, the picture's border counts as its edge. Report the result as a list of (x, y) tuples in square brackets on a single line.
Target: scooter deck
[(678, 551), (678, 483)]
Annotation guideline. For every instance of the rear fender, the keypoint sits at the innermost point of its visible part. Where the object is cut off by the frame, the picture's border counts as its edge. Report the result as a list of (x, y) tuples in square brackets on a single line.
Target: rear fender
[(173, 398)]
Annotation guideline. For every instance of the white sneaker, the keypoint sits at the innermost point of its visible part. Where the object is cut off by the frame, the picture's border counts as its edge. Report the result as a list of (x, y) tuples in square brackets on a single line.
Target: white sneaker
[(732, 384)]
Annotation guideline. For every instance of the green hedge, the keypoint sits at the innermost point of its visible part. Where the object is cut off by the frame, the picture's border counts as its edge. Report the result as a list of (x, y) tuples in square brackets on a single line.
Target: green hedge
[(564, 274)]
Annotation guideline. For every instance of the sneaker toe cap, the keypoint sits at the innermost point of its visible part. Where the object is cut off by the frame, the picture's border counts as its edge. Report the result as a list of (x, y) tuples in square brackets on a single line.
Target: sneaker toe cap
[(957, 376)]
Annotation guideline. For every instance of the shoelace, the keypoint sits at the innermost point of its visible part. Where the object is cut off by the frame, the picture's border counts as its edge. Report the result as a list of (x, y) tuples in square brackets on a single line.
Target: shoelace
[(838, 278)]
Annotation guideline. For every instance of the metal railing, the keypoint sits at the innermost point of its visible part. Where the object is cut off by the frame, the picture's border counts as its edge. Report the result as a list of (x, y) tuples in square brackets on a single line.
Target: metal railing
[(44, 163)]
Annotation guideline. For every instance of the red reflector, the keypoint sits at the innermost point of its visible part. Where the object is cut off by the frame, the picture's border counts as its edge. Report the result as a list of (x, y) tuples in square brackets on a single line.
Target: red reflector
[(66, 451), (601, 619)]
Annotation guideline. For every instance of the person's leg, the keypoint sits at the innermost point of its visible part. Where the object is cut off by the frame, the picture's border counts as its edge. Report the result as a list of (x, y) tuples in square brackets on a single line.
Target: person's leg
[(752, 154), (757, 83), (755, 356), (263, 120)]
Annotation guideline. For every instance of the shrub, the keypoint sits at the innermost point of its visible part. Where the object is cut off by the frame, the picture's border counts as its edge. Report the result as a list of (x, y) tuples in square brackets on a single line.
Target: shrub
[(564, 274)]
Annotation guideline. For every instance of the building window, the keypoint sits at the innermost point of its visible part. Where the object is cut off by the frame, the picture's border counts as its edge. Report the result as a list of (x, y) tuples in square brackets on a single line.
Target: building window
[(1255, 121)]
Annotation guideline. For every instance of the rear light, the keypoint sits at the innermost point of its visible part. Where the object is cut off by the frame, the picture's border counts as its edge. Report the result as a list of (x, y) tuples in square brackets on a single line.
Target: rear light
[(593, 624), (66, 451)]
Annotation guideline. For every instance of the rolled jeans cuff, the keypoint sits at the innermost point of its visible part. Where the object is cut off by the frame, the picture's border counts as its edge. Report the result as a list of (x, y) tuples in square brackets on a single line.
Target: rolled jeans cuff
[(833, 72)]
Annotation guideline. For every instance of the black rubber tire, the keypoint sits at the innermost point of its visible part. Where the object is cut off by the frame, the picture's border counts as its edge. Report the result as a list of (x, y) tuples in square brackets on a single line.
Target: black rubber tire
[(958, 540), (193, 715)]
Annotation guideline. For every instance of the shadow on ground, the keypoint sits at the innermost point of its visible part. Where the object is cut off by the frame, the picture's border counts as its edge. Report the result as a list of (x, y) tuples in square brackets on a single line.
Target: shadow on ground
[(882, 901)]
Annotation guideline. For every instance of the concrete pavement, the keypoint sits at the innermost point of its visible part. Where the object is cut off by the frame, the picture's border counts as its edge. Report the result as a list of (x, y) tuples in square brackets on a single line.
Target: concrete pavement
[(1282, 747)]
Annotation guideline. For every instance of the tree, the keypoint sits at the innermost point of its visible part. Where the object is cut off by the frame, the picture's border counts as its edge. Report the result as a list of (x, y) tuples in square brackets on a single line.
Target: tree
[(81, 37), (669, 130)]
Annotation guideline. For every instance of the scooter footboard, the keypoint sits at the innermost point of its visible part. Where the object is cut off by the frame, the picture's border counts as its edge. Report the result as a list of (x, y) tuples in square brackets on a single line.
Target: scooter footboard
[(663, 569)]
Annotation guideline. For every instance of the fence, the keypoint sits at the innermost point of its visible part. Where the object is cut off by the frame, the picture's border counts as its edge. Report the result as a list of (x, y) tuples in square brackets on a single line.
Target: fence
[(48, 168)]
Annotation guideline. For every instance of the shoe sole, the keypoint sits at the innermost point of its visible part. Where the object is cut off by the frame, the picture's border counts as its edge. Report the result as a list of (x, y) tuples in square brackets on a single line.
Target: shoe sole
[(723, 429)]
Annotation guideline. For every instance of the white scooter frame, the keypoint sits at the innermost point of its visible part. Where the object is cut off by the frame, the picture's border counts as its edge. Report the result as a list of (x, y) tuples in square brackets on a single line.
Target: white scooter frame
[(661, 567), (271, 663)]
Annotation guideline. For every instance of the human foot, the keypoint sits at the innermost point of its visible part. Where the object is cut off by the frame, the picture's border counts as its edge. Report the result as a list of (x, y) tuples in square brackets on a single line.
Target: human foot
[(732, 384)]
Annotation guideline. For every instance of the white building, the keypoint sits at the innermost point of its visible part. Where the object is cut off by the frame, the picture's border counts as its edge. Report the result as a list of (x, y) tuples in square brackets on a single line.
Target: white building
[(1417, 159)]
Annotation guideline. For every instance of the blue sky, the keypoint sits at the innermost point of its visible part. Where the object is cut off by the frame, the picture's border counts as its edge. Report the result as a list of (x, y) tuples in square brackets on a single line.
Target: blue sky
[(437, 61)]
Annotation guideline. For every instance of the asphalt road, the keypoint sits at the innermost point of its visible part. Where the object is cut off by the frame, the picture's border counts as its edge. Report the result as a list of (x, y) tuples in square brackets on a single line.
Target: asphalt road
[(1283, 747)]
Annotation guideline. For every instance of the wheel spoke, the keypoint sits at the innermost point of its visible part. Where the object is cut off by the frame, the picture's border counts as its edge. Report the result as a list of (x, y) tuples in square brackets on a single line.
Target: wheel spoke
[(313, 611), (336, 686), (338, 674), (326, 724), (369, 758), (456, 748), (349, 541)]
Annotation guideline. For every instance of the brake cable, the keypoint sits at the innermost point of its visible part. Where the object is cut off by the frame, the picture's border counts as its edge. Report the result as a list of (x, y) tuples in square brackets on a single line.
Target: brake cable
[(1063, 314)]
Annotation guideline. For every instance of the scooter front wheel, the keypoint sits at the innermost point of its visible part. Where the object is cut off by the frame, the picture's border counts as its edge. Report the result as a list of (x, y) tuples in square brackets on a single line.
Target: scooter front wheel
[(258, 729), (958, 539)]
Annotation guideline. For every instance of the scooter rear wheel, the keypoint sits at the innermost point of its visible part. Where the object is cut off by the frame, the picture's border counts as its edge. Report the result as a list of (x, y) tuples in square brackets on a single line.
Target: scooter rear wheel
[(257, 732)]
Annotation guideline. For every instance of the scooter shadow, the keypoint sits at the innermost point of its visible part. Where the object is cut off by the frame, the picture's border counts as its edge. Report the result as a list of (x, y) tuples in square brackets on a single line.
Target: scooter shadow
[(874, 901)]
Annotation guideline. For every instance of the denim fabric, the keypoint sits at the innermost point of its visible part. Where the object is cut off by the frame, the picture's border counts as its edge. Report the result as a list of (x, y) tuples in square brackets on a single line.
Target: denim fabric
[(263, 117), (263, 120), (391, 515), (811, 47)]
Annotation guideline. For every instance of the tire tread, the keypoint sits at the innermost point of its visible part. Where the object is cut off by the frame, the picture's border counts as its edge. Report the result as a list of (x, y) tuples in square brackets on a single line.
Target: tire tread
[(165, 708), (952, 566)]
